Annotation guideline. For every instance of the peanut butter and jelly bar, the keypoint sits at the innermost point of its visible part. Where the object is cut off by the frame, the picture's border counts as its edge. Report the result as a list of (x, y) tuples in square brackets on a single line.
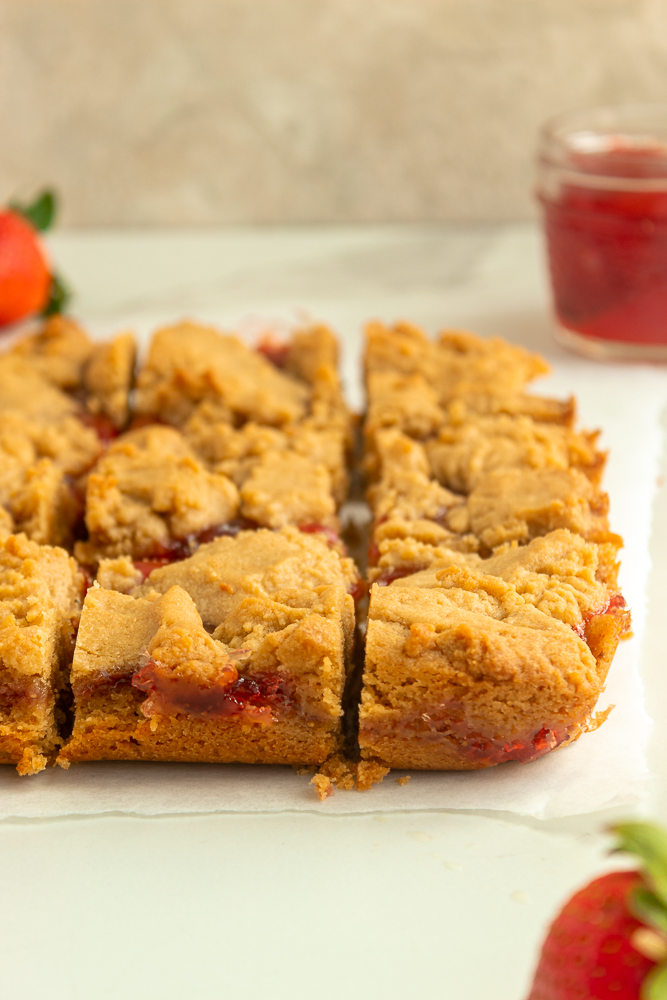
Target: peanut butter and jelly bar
[(149, 494), (467, 672), (237, 653), (494, 608), (61, 398), (40, 601)]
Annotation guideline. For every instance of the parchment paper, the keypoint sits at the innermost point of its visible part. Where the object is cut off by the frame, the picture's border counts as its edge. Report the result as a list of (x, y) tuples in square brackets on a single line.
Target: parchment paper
[(603, 769)]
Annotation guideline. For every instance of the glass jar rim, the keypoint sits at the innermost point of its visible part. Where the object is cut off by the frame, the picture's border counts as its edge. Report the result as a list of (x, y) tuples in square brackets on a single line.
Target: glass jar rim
[(577, 142)]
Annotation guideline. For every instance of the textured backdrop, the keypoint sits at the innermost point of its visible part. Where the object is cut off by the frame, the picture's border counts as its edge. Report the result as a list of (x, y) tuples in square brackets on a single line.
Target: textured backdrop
[(234, 111)]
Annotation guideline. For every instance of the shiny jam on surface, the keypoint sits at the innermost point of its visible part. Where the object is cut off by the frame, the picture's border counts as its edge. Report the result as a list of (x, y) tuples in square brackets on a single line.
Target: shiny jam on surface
[(262, 698), (608, 249)]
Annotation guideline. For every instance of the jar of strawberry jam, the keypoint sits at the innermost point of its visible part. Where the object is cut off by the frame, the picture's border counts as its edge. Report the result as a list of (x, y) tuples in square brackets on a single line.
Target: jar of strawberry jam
[(603, 188)]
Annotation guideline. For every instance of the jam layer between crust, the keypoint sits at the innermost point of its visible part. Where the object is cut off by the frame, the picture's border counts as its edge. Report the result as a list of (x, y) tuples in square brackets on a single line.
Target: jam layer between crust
[(264, 698), (439, 725), (29, 691)]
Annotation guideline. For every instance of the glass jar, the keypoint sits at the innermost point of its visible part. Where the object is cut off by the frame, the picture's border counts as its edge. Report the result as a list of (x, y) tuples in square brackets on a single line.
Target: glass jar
[(602, 184)]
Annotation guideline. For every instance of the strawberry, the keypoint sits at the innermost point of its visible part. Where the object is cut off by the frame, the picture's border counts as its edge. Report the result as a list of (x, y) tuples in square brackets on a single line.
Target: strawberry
[(610, 939), (26, 283)]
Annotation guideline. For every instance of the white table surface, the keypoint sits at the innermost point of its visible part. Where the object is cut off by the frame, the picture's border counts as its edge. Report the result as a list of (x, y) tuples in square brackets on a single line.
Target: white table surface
[(438, 904)]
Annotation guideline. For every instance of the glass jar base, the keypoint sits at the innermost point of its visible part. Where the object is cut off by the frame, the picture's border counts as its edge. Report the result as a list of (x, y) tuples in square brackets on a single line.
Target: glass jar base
[(609, 350)]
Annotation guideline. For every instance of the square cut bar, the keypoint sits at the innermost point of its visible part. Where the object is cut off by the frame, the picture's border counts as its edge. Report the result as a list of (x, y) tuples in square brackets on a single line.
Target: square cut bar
[(506, 504), (464, 671), (97, 375), (561, 573), (149, 495), (62, 397), (238, 653), (190, 364), (412, 379), (465, 451), (40, 603)]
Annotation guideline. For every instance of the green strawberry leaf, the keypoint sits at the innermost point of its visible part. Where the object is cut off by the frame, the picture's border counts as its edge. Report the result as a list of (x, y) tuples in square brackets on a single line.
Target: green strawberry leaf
[(41, 212), (654, 986), (649, 843), (59, 296), (648, 908)]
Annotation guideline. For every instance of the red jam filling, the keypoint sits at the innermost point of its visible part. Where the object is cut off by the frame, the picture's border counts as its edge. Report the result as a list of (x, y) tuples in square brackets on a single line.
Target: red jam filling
[(262, 698), (615, 604), (608, 248), (477, 748), (177, 549), (443, 723), (146, 566), (88, 580), (274, 350), (31, 690), (101, 424), (102, 684), (321, 529), (388, 576)]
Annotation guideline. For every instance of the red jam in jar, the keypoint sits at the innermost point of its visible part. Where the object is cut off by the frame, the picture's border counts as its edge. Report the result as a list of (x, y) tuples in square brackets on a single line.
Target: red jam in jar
[(603, 189)]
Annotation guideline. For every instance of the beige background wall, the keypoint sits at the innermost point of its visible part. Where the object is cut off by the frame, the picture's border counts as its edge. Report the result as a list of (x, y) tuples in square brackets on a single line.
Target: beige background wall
[(217, 111)]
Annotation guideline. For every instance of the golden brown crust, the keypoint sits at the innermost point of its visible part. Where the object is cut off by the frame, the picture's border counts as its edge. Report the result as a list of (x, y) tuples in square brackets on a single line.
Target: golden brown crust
[(108, 378), (465, 452), (58, 351), (189, 363), (487, 375)]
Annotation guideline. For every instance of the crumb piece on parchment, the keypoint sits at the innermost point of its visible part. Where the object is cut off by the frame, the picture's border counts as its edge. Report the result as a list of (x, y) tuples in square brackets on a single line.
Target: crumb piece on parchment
[(343, 773), (370, 773), (323, 786)]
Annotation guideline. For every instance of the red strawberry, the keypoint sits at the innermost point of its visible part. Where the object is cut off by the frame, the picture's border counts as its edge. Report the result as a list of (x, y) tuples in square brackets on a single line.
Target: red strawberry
[(26, 284), (609, 942), (25, 280)]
